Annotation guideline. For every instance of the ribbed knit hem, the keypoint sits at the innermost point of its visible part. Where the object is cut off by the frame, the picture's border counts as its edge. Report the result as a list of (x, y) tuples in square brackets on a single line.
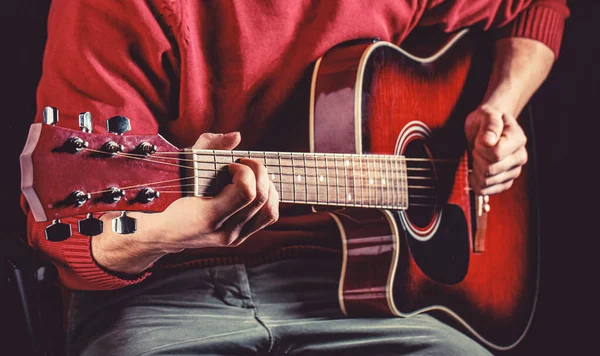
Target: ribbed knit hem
[(76, 253), (541, 23)]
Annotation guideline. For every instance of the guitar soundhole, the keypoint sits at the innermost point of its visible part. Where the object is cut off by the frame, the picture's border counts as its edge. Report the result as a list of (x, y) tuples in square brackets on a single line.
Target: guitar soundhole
[(421, 184)]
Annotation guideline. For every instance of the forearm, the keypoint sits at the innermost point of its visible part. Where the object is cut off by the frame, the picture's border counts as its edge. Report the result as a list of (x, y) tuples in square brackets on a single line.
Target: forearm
[(520, 66), (128, 254)]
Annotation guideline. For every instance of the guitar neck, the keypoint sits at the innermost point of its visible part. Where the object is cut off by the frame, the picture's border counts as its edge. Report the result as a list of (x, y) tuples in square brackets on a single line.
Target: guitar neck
[(370, 181)]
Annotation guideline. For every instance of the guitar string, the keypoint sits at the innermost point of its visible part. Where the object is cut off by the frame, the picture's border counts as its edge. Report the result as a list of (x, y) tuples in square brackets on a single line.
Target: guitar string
[(376, 186), (213, 193), (248, 154), (146, 159), (375, 158), (299, 166)]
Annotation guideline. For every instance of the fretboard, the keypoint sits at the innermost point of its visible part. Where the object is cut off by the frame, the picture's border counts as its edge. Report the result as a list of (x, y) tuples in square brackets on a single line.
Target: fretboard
[(370, 181)]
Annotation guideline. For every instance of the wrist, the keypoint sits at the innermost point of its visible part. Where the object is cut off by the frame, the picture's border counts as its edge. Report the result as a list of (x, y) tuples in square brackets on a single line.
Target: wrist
[(128, 254)]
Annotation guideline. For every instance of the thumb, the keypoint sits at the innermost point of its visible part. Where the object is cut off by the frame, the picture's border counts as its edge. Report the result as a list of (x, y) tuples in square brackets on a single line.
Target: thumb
[(218, 141), (490, 129)]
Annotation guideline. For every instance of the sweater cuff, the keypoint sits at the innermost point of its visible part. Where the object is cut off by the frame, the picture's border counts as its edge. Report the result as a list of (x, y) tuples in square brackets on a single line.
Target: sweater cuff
[(542, 23), (77, 257)]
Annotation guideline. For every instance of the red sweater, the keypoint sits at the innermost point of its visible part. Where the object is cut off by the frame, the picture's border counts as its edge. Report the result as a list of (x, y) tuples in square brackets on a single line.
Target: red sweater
[(181, 68)]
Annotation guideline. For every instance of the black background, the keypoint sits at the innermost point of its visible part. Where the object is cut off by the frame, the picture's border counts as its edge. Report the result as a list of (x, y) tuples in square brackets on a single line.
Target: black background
[(567, 102)]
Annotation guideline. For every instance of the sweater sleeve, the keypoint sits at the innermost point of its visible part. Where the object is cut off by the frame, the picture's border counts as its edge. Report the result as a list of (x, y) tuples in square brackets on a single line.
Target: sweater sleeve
[(541, 20), (109, 58)]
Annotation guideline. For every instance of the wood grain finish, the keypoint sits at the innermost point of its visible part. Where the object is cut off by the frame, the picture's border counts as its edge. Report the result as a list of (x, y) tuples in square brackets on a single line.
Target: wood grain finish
[(496, 296)]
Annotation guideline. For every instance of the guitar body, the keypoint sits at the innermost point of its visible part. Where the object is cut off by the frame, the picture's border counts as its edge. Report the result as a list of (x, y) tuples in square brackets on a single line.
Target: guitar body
[(440, 254)]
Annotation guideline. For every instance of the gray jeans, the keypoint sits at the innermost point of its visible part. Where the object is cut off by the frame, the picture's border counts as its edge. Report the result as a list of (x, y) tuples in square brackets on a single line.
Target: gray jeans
[(282, 308)]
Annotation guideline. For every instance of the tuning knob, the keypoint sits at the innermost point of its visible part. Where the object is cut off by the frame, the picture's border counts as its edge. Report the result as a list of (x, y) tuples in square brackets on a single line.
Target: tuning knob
[(112, 147), (124, 224), (113, 195), (90, 226), (146, 148), (85, 122), (76, 144), (78, 198), (58, 231), (147, 195), (50, 115), (118, 125)]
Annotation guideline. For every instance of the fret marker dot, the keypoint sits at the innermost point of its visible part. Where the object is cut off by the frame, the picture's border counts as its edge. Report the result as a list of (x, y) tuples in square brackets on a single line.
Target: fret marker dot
[(383, 182), (299, 178), (349, 197), (272, 177), (371, 181), (347, 163), (321, 179)]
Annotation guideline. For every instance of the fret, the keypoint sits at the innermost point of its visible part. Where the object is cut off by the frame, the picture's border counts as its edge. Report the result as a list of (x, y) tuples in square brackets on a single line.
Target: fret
[(346, 198), (305, 178), (293, 177), (369, 181), (205, 173), (299, 181), (381, 181), (272, 164), (361, 180), (355, 198), (327, 178), (281, 197), (287, 169), (390, 179), (317, 178), (396, 181), (337, 177)]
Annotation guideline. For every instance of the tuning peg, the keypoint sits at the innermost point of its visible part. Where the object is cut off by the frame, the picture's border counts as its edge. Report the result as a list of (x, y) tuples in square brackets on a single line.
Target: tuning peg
[(147, 195), (118, 125), (113, 194), (85, 121), (146, 148), (124, 224), (58, 231), (78, 198), (50, 115), (90, 226), (112, 147), (75, 144)]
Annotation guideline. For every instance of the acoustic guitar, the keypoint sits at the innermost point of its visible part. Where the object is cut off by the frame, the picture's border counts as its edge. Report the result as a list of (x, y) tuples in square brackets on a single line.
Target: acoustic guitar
[(388, 161)]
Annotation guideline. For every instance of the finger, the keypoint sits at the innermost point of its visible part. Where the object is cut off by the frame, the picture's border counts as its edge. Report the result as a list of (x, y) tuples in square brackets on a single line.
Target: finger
[(483, 169), (501, 178), (235, 196), (490, 129), (267, 215), (512, 139), (497, 188), (218, 141), (236, 222)]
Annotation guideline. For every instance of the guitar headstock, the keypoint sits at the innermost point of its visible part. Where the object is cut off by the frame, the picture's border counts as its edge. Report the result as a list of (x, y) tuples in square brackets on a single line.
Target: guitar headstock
[(66, 173)]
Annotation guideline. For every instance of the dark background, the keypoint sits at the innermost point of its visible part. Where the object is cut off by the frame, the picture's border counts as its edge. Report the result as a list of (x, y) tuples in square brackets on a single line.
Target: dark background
[(567, 102)]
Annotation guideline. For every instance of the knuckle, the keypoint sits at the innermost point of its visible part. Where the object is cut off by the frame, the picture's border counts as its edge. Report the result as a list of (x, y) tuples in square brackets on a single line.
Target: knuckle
[(227, 239), (518, 171), (487, 182), (496, 154), (262, 195), (272, 215), (247, 192), (489, 171)]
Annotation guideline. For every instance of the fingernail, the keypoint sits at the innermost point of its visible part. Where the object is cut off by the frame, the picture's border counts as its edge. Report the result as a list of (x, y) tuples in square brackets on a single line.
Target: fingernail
[(232, 134), (490, 137)]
